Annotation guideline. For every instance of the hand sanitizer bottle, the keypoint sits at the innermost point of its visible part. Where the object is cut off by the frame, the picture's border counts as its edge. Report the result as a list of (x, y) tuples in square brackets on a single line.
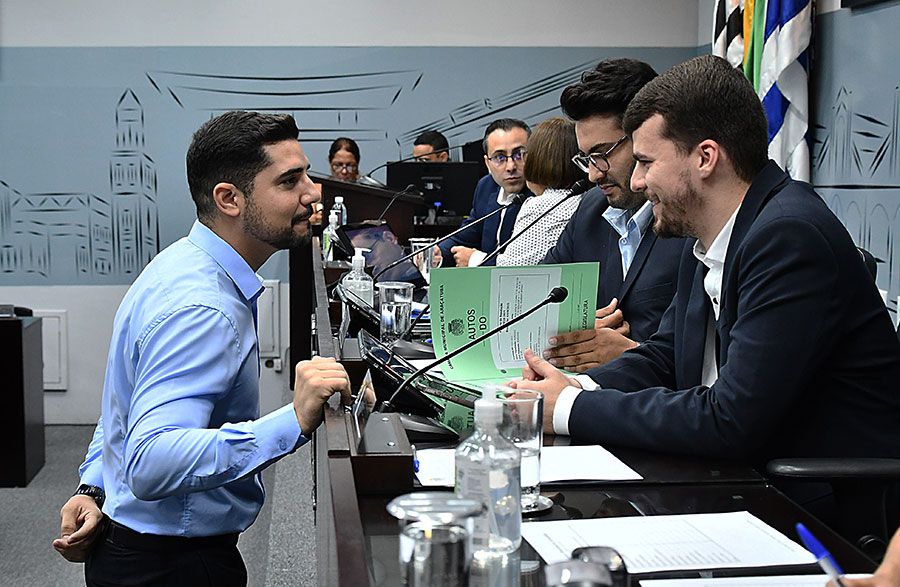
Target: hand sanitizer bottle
[(357, 282), (329, 237), (488, 470)]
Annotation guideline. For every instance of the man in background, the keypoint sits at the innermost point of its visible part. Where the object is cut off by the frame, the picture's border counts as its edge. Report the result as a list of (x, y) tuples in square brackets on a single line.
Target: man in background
[(505, 146), (431, 146), (613, 224), (176, 459)]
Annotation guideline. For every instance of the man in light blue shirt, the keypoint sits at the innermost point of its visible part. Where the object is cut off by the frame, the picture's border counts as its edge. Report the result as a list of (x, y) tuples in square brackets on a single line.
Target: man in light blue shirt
[(176, 458)]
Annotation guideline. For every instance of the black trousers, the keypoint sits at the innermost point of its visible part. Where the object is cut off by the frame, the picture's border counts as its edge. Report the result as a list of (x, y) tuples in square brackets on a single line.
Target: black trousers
[(124, 558)]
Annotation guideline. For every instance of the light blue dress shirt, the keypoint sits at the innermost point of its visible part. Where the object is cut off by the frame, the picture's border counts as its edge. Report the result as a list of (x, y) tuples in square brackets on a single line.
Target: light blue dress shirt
[(179, 446), (631, 227)]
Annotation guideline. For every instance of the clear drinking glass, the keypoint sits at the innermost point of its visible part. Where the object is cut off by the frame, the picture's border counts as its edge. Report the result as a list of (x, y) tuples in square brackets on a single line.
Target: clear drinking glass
[(523, 425), (395, 306), (435, 537), (422, 260)]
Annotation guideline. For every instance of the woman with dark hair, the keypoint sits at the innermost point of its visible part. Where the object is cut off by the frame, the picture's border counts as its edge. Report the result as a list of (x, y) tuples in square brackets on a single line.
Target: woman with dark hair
[(549, 173), (343, 156)]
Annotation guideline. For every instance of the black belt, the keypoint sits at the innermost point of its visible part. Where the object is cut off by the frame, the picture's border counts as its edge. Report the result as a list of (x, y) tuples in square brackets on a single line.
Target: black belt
[(125, 536)]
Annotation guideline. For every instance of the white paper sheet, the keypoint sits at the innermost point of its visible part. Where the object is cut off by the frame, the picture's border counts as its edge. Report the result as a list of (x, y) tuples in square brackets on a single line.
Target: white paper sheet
[(773, 581), (665, 543), (558, 463)]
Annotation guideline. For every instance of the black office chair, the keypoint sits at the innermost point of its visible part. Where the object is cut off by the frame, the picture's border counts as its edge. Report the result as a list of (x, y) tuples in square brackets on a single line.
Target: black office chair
[(865, 492), (864, 489), (871, 261)]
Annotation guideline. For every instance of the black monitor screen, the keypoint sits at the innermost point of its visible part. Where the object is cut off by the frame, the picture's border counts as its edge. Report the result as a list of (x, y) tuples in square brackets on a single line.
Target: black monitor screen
[(446, 186)]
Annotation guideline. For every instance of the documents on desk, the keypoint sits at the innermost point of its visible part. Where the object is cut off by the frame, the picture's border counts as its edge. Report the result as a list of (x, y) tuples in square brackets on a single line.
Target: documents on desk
[(467, 302), (773, 581), (558, 463), (672, 543)]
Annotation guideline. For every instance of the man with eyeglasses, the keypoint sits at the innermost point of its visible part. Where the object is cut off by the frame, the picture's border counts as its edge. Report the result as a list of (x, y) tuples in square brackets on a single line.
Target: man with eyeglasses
[(505, 146), (431, 147), (612, 224)]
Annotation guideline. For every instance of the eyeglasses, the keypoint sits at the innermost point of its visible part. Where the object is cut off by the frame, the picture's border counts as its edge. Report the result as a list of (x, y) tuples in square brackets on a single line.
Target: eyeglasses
[(598, 160), (500, 159), (344, 166)]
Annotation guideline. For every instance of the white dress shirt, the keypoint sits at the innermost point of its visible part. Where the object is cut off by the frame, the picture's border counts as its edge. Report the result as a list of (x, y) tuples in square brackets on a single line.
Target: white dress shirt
[(714, 259), (477, 257)]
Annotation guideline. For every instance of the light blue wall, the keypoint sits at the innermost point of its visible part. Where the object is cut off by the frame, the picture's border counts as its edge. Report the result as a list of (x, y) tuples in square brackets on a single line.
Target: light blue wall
[(856, 128), (93, 139)]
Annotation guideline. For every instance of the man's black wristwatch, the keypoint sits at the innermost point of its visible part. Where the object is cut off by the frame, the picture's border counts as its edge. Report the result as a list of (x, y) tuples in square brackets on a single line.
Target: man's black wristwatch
[(92, 491)]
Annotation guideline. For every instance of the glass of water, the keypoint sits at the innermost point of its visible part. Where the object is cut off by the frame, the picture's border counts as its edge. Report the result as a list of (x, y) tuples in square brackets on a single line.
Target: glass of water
[(435, 537), (395, 306), (422, 260), (523, 425)]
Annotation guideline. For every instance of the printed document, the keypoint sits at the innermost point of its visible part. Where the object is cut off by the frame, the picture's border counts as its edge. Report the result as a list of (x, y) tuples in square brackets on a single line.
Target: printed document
[(671, 543), (467, 302), (773, 581), (558, 463)]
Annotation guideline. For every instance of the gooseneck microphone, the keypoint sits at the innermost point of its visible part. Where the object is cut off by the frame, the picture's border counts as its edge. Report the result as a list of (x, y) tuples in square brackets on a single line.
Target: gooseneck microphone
[(578, 188), (556, 295), (517, 199), (405, 190)]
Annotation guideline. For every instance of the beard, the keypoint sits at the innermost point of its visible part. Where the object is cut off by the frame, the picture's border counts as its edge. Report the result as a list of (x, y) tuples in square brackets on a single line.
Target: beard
[(673, 215), (278, 237), (625, 199)]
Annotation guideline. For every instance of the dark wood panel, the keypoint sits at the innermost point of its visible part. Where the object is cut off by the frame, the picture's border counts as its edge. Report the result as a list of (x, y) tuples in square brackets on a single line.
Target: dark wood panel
[(368, 203)]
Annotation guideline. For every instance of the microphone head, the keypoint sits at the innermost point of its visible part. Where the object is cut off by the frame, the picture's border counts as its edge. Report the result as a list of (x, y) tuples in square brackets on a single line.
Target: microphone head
[(558, 294), (519, 198), (581, 186), (370, 181)]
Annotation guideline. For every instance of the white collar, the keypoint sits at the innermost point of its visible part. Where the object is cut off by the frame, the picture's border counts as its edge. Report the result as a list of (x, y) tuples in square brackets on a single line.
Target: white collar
[(503, 198), (715, 255)]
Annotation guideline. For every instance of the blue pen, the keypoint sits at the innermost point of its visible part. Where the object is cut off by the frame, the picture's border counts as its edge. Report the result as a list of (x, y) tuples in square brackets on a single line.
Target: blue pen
[(823, 557)]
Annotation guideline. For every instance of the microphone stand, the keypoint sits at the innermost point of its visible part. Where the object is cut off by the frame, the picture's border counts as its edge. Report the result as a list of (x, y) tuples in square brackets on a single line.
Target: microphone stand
[(405, 190), (556, 295), (578, 188), (518, 199)]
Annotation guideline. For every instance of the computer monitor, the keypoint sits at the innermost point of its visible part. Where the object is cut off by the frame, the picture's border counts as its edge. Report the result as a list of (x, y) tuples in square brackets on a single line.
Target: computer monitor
[(446, 186)]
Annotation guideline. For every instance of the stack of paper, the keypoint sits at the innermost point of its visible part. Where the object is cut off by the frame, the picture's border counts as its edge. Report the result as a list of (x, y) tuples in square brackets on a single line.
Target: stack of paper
[(671, 543), (558, 463)]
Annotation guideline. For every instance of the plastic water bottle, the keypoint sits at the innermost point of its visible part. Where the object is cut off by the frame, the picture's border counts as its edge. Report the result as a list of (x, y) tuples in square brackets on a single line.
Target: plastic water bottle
[(340, 209), (329, 237), (357, 282), (487, 470)]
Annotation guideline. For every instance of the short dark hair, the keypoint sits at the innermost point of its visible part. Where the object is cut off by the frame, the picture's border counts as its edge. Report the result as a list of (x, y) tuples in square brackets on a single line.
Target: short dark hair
[(506, 124), (229, 148), (432, 137), (706, 98), (343, 144), (550, 150), (606, 89)]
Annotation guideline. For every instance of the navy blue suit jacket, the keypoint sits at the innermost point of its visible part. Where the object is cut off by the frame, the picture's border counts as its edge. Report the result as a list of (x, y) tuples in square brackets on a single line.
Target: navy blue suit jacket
[(643, 294), (483, 236), (809, 361)]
